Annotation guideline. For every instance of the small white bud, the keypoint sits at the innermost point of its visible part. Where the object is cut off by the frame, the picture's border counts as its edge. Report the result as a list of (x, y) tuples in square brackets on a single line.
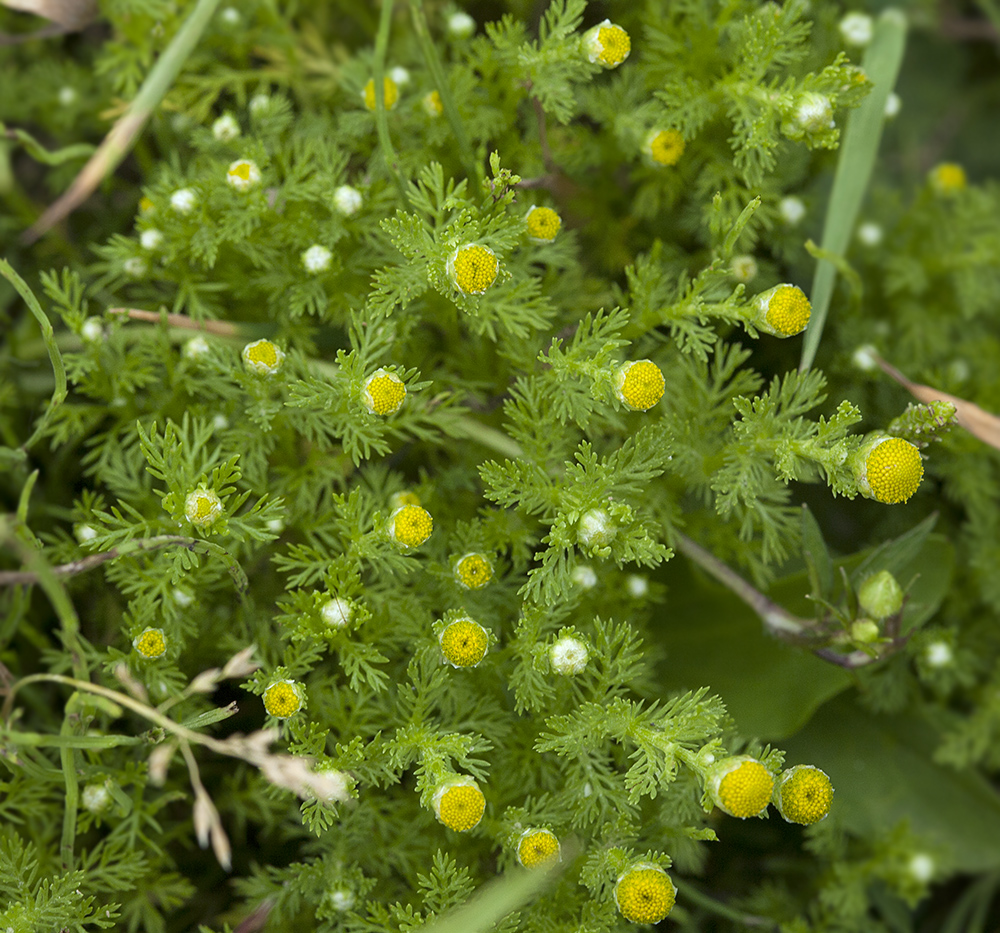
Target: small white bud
[(243, 174), (337, 612), (151, 239), (230, 16), (637, 585), (92, 330), (202, 507), (316, 259), (870, 233), (220, 422), (347, 200), (67, 96), (195, 348), (568, 656), (135, 267), (341, 899), (259, 103), (921, 866), (400, 75), (461, 25), (893, 104), (276, 525), (226, 128), (183, 200), (938, 654), (182, 597), (743, 268), (958, 370), (864, 357), (595, 529), (792, 210), (584, 577), (96, 798), (814, 113), (85, 533), (857, 29)]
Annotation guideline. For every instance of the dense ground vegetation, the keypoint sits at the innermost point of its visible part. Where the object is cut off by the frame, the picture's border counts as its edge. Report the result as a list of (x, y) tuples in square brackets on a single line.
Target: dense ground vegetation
[(455, 437)]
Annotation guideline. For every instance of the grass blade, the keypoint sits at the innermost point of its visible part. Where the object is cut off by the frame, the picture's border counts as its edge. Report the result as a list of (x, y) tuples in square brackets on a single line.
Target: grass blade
[(854, 167)]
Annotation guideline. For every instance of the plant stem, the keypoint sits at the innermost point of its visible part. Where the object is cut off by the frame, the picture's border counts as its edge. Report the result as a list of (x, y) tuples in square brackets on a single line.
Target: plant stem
[(690, 893), (381, 118), (433, 62), (48, 335)]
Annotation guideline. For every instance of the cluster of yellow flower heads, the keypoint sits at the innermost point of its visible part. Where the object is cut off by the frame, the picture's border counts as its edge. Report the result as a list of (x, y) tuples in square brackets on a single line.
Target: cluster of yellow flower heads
[(743, 787)]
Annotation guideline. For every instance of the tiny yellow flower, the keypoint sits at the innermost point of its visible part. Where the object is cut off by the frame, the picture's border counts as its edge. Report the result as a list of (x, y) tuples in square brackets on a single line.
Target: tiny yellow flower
[(645, 893), (151, 643), (389, 89), (464, 642), (432, 104), (947, 178), (146, 205), (888, 469), (543, 224), (664, 147), (782, 311), (537, 847), (639, 384), (606, 44), (740, 786), (243, 174), (472, 269), (803, 794), (283, 699), (459, 804), (473, 571), (383, 393), (263, 357), (202, 507), (410, 526)]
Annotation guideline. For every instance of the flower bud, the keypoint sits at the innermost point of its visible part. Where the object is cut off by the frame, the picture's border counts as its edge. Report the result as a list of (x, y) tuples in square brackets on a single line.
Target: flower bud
[(880, 595), (740, 786), (644, 893), (283, 698), (537, 847), (782, 311), (803, 794), (459, 804), (606, 44), (887, 469), (568, 656)]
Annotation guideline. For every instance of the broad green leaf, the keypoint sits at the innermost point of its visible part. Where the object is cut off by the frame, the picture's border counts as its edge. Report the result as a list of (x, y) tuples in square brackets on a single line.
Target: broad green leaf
[(883, 771)]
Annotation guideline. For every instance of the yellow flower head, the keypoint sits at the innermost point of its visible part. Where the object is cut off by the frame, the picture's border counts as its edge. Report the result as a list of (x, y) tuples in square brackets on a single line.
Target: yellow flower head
[(664, 147), (606, 44), (432, 104), (383, 393), (537, 847), (645, 893), (888, 469), (263, 357), (389, 89), (639, 384), (151, 643), (202, 507), (473, 571), (410, 526), (459, 804), (741, 786), (243, 174), (283, 699), (464, 642), (947, 178), (543, 224), (473, 269), (782, 311), (804, 794)]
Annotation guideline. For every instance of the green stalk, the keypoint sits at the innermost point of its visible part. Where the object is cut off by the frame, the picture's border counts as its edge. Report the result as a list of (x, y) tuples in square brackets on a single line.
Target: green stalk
[(433, 62), (854, 168), (118, 142), (381, 118), (48, 336)]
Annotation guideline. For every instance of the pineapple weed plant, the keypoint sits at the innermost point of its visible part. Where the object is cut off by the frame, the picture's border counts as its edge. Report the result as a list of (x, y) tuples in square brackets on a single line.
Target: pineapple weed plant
[(389, 377)]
